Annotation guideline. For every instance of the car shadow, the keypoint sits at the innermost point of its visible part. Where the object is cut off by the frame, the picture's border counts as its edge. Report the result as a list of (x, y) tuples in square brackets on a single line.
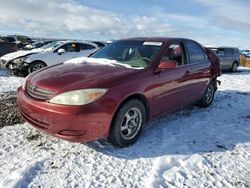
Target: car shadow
[(190, 130)]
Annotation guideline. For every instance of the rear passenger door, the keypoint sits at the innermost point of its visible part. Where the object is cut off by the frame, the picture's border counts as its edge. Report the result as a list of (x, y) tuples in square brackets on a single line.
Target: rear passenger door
[(198, 68)]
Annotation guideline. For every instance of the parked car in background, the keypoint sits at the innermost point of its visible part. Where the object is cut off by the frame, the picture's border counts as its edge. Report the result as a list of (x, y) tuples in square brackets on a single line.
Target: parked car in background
[(6, 47), (243, 52), (119, 88), (19, 40), (16, 58), (247, 55), (38, 44), (229, 58), (3, 39), (56, 52)]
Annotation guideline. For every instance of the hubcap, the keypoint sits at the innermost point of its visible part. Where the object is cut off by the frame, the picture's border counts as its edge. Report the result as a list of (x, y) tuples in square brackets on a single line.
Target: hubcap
[(37, 67), (131, 123), (209, 94)]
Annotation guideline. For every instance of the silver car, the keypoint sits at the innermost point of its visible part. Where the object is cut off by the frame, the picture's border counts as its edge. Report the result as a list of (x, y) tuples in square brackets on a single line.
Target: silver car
[(229, 58)]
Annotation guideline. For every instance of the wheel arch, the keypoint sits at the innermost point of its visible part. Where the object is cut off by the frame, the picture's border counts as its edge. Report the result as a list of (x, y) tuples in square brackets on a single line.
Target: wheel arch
[(40, 61), (237, 62)]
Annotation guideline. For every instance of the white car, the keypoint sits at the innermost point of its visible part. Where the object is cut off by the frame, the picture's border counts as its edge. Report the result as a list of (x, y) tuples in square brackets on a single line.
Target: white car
[(16, 58), (4, 60), (55, 53)]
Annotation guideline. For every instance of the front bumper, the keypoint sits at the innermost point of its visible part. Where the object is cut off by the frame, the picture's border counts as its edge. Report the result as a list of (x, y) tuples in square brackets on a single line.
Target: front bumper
[(13, 67), (72, 123)]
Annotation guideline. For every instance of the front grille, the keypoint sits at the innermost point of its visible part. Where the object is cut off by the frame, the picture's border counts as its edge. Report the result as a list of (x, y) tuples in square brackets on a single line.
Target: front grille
[(39, 93)]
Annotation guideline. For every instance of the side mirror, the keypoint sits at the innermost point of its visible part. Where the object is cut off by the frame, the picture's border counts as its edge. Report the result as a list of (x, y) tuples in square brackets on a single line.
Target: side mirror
[(167, 64), (61, 51)]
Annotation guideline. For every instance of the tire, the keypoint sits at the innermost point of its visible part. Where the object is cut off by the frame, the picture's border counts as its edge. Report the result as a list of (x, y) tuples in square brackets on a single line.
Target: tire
[(208, 96), (36, 65), (234, 67), (128, 124)]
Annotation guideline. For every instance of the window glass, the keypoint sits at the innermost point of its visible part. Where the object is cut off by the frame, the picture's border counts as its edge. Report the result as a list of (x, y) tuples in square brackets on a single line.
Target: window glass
[(195, 52), (132, 53), (229, 51), (86, 47), (70, 47), (175, 52), (220, 51), (10, 39)]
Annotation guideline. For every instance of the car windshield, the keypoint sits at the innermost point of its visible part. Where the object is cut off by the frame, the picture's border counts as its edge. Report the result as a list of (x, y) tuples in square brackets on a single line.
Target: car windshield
[(133, 53), (51, 46)]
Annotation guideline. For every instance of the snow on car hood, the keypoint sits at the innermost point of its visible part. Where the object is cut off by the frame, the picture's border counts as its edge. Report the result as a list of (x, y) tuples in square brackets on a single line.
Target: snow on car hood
[(104, 61), (21, 53)]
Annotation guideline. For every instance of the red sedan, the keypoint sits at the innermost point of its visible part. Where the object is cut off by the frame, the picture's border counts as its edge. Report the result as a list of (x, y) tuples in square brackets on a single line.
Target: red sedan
[(119, 88)]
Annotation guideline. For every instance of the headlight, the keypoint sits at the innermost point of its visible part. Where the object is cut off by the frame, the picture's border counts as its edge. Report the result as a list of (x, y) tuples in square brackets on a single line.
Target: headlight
[(78, 97), (19, 60)]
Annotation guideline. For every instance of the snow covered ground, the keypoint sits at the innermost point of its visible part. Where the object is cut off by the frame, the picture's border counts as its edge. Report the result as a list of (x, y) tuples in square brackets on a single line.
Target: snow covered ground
[(191, 147)]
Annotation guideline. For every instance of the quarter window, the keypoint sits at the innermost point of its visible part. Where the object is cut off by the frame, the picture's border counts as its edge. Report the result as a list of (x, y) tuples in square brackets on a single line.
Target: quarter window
[(86, 47), (195, 52)]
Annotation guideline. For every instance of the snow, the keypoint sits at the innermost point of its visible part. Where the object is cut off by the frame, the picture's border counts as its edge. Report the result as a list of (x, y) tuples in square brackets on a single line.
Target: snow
[(192, 147), (103, 61), (9, 83)]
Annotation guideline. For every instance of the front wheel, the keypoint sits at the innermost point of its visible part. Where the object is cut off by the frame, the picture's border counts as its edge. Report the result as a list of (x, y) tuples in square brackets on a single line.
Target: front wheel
[(37, 65), (128, 124), (208, 96)]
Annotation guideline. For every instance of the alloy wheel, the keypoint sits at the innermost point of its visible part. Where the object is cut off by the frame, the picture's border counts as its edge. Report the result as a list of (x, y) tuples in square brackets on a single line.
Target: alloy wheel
[(210, 93), (131, 123)]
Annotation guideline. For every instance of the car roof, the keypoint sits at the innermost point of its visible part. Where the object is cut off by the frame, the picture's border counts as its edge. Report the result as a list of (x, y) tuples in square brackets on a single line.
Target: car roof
[(156, 39)]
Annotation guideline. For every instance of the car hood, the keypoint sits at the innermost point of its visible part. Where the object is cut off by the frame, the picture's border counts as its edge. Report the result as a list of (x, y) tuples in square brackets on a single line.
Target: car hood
[(21, 53), (77, 74)]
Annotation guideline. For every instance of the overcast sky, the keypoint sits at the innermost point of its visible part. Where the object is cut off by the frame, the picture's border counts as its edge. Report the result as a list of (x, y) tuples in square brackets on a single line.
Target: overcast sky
[(211, 22)]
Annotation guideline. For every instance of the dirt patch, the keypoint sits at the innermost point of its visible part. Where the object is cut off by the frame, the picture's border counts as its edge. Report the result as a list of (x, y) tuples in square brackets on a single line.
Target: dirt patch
[(9, 113)]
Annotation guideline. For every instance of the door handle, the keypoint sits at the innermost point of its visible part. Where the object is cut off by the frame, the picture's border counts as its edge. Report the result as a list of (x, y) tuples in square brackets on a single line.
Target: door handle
[(187, 73)]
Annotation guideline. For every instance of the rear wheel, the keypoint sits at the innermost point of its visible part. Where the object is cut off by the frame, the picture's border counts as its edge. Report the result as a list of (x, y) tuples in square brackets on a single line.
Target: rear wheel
[(36, 65), (234, 67), (208, 96), (128, 124)]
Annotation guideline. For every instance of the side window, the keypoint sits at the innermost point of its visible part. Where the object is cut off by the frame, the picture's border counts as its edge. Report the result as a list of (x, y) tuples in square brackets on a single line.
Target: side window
[(175, 52), (229, 51), (70, 47), (86, 47), (220, 52), (195, 52)]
